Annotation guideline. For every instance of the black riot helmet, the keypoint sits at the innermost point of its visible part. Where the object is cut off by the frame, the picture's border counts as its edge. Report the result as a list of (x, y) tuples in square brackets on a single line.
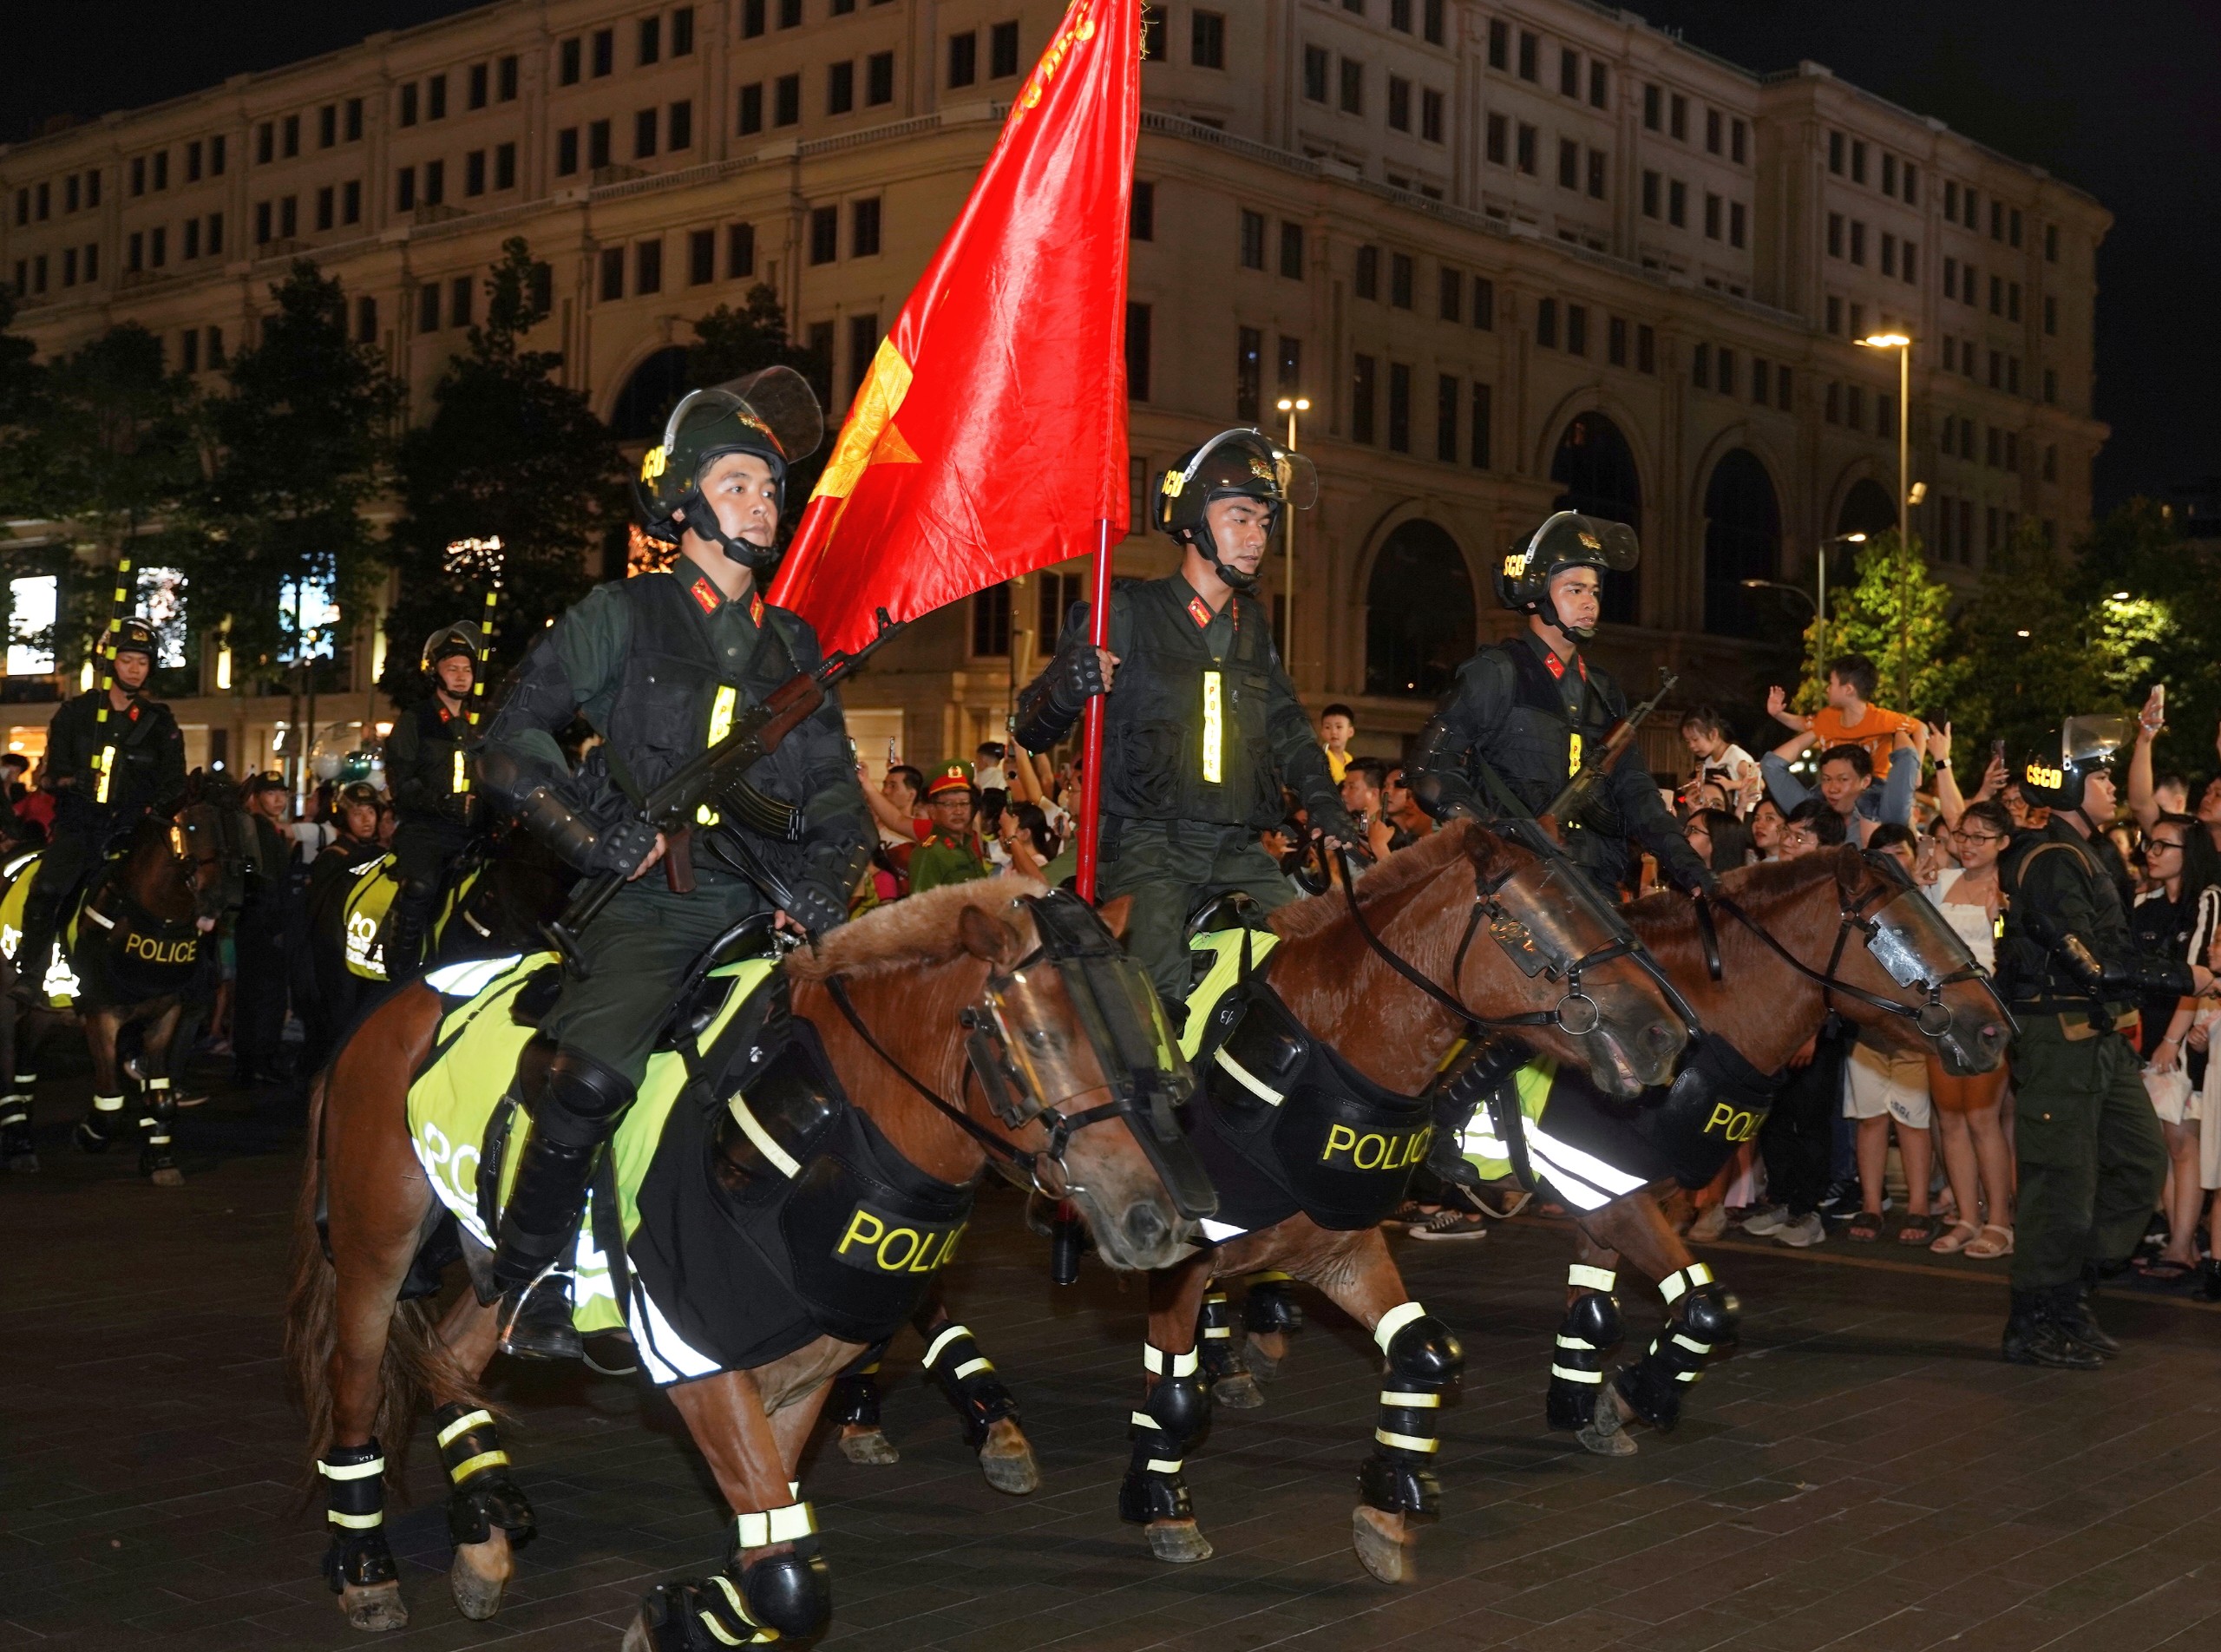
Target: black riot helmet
[(133, 636), (459, 641), (2053, 773), (1243, 463), (1566, 540), (772, 414)]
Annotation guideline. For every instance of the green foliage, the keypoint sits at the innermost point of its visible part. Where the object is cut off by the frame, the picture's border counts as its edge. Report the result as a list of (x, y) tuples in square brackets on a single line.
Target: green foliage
[(2154, 602), (508, 452), (2026, 643), (1895, 613), (297, 447)]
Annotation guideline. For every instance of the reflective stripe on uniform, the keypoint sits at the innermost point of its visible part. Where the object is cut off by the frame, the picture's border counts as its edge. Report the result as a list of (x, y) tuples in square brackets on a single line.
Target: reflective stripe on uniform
[(1213, 726)]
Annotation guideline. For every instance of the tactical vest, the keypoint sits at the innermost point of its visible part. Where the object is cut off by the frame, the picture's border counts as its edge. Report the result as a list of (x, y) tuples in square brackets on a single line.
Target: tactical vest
[(1535, 749), (123, 756), (2026, 973), (439, 767), (1185, 736)]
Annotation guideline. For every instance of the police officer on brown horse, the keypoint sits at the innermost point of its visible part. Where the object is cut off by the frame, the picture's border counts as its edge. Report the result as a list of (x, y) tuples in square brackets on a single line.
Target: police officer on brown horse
[(424, 770)]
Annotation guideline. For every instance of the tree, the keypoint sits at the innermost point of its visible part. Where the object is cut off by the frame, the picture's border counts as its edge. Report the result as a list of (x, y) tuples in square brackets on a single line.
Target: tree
[(1895, 613), (508, 452), (734, 342), (2152, 601), (2026, 638)]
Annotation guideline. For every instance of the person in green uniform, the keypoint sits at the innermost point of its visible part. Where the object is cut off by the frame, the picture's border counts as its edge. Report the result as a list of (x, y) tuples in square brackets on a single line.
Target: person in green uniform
[(425, 772), (2090, 1154), (952, 852), (660, 665), (1202, 727), (111, 756)]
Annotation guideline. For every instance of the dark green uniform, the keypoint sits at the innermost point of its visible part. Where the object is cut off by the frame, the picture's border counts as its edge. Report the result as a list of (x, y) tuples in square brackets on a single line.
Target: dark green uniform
[(1202, 729), (2091, 1160), (424, 770), (943, 859)]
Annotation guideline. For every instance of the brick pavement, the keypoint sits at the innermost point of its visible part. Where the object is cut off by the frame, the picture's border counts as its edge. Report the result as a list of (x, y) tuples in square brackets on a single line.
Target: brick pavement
[(1862, 1473)]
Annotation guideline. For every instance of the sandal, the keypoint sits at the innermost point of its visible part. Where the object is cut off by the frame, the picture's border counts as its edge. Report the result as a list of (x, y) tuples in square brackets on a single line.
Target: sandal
[(1985, 1248), (1916, 1229), (2165, 1270), (1866, 1227), (1960, 1236)]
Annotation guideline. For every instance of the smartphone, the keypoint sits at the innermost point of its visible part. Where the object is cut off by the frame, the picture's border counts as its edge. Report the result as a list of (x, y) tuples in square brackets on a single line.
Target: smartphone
[(1997, 751)]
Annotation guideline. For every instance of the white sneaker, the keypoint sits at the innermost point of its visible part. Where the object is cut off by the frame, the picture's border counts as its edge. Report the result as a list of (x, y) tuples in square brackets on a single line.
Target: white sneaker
[(1807, 1229), (1709, 1226), (1771, 1218)]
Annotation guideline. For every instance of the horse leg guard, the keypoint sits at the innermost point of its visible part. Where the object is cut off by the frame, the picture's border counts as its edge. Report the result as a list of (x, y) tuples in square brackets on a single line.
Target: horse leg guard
[(1171, 1419), (157, 1122), (967, 1381), (1424, 1362), (1703, 1316), (1223, 1365), (1269, 1303), (853, 1405), (487, 1515), (358, 1564), (1590, 1330), (1457, 1101), (16, 1152), (99, 1128), (787, 1598)]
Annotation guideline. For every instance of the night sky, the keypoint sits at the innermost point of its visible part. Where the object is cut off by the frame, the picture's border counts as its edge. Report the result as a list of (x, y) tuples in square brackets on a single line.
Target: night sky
[(2116, 100)]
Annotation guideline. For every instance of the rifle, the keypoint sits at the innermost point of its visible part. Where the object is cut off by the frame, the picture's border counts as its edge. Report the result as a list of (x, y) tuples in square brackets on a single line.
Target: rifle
[(714, 779), (1596, 764)]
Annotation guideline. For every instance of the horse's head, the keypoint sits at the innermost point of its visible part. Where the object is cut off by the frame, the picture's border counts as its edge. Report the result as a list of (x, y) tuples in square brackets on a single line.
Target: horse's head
[(1901, 970), (1078, 1067), (1542, 949), (158, 868)]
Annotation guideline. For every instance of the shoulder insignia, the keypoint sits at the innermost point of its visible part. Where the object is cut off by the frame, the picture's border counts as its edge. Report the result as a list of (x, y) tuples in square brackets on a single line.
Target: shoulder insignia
[(704, 594)]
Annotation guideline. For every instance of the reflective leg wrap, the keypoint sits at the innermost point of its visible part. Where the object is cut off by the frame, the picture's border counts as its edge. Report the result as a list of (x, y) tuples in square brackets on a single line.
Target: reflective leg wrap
[(484, 1495), (354, 1503), (854, 1400), (1270, 1304), (1703, 1316), (157, 1119), (577, 1111), (16, 1120), (785, 1597), (1214, 1341), (1171, 1420), (967, 1379), (98, 1128), (1424, 1362), (1590, 1330)]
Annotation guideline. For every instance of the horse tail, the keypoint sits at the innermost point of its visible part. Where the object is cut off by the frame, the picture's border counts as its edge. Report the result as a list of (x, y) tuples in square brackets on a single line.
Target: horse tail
[(417, 1364)]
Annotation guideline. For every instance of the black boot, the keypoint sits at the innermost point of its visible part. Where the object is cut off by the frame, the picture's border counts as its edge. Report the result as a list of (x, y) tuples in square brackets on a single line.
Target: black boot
[(575, 1112), (405, 933), (1457, 1097), (2032, 1337), (2071, 1312)]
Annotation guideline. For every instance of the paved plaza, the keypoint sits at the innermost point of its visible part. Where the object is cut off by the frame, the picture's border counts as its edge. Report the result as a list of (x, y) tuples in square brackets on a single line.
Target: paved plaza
[(1862, 1473)]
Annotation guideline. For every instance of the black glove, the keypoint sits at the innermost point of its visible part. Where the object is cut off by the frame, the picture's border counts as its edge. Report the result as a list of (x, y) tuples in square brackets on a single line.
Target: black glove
[(1693, 877), (619, 847), (454, 805), (815, 907), (1075, 677)]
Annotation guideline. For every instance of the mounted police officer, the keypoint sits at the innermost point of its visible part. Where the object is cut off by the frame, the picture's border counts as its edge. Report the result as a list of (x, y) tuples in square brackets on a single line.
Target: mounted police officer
[(1202, 727), (1524, 716), (2091, 1158), (112, 755), (660, 665), (425, 770)]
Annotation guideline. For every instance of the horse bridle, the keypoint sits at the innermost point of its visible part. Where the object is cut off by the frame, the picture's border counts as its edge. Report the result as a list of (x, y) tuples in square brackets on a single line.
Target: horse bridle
[(1072, 939), (1932, 1017)]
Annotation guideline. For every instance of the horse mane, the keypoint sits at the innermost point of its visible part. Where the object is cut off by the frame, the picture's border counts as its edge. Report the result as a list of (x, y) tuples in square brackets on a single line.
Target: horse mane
[(1668, 924), (1397, 873), (916, 931)]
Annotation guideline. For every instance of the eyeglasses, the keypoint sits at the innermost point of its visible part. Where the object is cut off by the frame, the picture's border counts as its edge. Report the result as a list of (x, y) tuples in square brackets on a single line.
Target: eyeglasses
[(1978, 837), (2154, 845), (1799, 835)]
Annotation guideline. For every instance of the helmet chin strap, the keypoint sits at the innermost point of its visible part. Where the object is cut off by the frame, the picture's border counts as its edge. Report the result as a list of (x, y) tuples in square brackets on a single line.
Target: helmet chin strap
[(755, 558), (1547, 610), (1203, 539)]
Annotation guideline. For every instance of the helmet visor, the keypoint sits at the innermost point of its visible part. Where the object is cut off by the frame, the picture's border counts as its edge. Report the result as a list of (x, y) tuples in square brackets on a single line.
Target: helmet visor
[(2089, 741), (1571, 540), (1272, 471)]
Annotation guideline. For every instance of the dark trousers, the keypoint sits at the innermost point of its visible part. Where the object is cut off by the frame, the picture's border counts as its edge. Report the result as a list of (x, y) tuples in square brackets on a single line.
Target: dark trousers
[(2091, 1158), (61, 866), (423, 851), (259, 991), (1169, 872), (1797, 1138)]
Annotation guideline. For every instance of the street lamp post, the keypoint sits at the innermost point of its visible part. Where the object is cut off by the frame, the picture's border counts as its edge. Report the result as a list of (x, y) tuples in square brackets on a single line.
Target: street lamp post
[(1290, 405), (1902, 345), (1820, 602)]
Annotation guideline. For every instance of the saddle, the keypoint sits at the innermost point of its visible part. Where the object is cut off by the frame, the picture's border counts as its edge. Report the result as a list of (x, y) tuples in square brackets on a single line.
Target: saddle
[(142, 957)]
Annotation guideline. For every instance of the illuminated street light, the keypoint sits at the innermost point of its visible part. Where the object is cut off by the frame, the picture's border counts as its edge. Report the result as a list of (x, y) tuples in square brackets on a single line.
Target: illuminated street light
[(1290, 405)]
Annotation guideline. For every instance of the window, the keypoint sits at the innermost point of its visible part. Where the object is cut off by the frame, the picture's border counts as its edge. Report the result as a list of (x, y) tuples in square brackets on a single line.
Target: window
[(740, 250), (1598, 164), (651, 41), (1452, 294), (93, 269), (1137, 352), (1292, 251), (1484, 302), (1002, 57), (1577, 330), (879, 79), (1677, 118), (458, 302), (2051, 462), (1737, 229), (752, 19), (1727, 371), (1528, 139), (1253, 239), (1248, 373), (473, 172), (604, 52), (1760, 373), (476, 96), (991, 622), (1911, 185), (505, 166), (2051, 243), (1363, 383), (840, 88), (354, 135), (405, 200), (2013, 301), (1712, 205), (597, 144), (566, 152), (1569, 164), (1700, 367), (1653, 187), (681, 130), (1997, 221), (505, 79), (192, 248), (427, 307), (1154, 47), (1529, 49), (1207, 40), (863, 227), (1400, 273), (1569, 73), (1400, 103), (751, 105), (1314, 74), (1835, 153), (1835, 234), (1546, 322), (189, 343), (1499, 43), (1399, 16), (1971, 205), (2051, 315), (1889, 174), (436, 182), (1997, 295), (1598, 85), (1367, 280), (1858, 161), (1677, 204), (1857, 241), (159, 239), (1653, 106), (1910, 261), (1711, 125), (701, 257), (435, 97), (863, 346), (1433, 27), (647, 266), (1737, 139), (824, 235), (1446, 398), (964, 58), (1399, 408), (1888, 253), (135, 252), (1352, 87), (790, 17), (567, 62), (786, 101)]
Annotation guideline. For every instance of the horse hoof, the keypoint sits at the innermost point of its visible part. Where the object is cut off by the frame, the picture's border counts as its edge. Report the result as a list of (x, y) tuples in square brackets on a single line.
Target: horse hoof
[(1239, 1392), (1606, 1433), (479, 1573), (1181, 1542), (1007, 1461), (1385, 1545), (373, 1607), (1264, 1364), (871, 1448), (88, 1140), (168, 1175)]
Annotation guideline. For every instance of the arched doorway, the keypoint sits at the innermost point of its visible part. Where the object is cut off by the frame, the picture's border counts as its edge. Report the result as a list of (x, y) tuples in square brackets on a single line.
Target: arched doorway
[(1742, 541), (1595, 467), (1418, 613), (1866, 509), (648, 396)]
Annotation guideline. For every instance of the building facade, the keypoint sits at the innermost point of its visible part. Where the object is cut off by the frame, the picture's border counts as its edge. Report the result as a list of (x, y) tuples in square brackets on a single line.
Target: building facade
[(1512, 253)]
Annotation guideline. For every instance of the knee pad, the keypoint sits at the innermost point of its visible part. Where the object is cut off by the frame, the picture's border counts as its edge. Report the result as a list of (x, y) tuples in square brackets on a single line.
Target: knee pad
[(1712, 1315), (581, 1101), (354, 1503), (1270, 1304), (1421, 1350), (484, 1496), (968, 1378), (1589, 1331)]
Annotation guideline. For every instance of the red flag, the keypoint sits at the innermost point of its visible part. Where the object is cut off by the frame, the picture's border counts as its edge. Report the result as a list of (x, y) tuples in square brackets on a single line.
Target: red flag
[(989, 438)]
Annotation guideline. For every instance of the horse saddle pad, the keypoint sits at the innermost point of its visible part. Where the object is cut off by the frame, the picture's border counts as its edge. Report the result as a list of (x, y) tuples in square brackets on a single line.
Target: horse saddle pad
[(371, 886), (141, 959), (1282, 1122), (744, 1207)]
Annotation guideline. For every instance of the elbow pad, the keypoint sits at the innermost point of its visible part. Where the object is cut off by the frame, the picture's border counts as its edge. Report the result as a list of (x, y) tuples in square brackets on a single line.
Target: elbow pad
[(1042, 719), (2080, 960)]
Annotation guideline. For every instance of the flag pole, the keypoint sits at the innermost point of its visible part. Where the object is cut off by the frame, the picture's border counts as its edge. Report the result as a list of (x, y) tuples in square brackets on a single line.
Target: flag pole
[(1090, 746)]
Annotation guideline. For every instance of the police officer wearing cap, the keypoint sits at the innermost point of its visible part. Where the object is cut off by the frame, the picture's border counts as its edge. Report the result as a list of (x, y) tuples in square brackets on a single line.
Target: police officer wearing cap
[(1202, 727), (112, 755), (660, 665), (2090, 1154), (952, 852), (425, 770)]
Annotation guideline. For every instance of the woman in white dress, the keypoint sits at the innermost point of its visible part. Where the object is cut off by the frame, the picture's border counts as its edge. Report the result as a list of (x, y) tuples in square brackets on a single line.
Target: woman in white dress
[(1977, 1159)]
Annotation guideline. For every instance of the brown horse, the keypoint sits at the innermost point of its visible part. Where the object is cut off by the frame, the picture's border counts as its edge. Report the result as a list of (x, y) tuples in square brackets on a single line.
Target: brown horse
[(891, 996), (144, 917), (1794, 939), (1545, 946)]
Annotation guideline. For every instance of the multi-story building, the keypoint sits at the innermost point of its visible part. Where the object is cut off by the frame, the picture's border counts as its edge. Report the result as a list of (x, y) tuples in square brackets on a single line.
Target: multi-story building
[(1513, 254)]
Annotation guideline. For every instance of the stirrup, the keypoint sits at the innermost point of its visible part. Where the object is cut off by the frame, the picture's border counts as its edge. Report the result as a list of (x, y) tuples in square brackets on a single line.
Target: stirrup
[(535, 1320)]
